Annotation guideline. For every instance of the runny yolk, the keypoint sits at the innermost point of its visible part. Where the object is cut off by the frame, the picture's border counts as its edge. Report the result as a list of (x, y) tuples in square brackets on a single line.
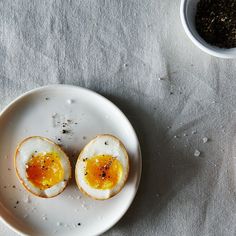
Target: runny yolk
[(103, 172), (45, 170)]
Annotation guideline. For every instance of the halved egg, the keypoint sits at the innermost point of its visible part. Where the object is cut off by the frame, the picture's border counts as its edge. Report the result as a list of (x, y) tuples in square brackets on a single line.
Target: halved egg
[(42, 167), (102, 167)]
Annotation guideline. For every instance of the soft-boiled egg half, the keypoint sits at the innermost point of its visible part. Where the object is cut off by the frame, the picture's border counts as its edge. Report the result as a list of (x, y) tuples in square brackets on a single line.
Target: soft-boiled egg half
[(42, 167), (102, 167)]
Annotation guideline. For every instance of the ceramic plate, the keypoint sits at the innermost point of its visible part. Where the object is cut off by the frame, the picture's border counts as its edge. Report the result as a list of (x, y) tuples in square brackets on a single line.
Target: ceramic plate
[(42, 112)]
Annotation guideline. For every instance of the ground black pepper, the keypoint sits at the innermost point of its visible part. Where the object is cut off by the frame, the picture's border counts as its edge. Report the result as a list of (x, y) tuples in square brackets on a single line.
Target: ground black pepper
[(64, 131), (216, 22)]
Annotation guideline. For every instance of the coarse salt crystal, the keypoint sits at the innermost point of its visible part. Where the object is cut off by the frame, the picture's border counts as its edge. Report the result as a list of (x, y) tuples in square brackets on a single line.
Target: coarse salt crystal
[(27, 199), (197, 153), (59, 223), (70, 101), (84, 206), (205, 140)]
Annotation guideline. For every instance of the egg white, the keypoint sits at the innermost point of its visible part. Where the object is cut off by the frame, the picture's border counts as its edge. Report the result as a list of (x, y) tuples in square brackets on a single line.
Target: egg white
[(98, 147), (24, 153)]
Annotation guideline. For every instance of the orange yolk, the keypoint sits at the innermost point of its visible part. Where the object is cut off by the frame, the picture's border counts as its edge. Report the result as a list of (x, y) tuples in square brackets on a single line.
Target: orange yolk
[(45, 170), (103, 172)]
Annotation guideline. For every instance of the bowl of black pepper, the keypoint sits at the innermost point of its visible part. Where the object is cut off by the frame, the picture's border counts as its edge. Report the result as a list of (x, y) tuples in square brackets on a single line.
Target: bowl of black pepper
[(211, 25)]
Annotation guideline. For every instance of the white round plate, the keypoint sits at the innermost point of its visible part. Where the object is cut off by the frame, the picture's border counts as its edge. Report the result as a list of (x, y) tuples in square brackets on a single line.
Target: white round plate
[(42, 112)]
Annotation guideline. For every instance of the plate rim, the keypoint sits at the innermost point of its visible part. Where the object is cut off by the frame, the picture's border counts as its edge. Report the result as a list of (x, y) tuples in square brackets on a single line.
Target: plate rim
[(56, 86)]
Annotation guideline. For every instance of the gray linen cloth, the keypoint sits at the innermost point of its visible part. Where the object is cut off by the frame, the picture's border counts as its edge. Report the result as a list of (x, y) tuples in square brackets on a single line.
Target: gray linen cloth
[(136, 54)]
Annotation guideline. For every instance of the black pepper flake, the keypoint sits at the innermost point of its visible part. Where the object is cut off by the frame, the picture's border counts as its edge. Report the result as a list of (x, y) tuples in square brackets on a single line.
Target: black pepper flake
[(171, 93), (103, 174), (14, 206), (106, 143), (84, 137), (17, 202), (85, 173), (76, 123), (35, 151), (59, 139), (9, 169), (46, 98), (64, 131), (79, 224), (13, 186), (5, 186)]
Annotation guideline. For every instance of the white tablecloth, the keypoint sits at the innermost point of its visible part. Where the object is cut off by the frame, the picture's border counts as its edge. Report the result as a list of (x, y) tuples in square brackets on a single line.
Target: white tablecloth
[(136, 54)]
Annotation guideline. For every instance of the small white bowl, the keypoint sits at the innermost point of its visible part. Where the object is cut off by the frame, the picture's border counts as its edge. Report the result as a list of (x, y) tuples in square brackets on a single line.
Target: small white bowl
[(187, 14)]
